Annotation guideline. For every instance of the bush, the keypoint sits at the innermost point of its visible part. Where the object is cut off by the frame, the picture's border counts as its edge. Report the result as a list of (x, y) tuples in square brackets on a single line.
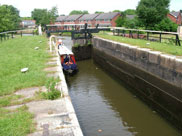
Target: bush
[(131, 23), (166, 25), (120, 21), (52, 93)]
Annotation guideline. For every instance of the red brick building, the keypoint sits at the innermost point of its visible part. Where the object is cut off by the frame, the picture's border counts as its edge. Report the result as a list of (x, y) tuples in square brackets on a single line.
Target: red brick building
[(107, 19), (60, 20), (103, 19), (89, 19), (176, 17)]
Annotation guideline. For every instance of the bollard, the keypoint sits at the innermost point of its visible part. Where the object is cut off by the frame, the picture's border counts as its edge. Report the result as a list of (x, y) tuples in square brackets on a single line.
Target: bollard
[(21, 33)]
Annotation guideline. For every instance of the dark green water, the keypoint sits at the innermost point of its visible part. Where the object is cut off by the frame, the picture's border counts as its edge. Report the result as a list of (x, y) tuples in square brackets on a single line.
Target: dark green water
[(102, 102)]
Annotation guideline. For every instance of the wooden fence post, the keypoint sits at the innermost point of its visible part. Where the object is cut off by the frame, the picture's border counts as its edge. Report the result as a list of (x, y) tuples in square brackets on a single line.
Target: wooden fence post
[(147, 35), (12, 35), (160, 37)]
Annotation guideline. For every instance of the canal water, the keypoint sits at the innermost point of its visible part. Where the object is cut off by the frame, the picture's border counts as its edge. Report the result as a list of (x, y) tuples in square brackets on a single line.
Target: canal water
[(105, 107)]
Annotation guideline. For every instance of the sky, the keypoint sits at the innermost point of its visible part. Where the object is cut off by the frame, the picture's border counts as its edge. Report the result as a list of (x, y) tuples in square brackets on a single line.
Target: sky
[(66, 6)]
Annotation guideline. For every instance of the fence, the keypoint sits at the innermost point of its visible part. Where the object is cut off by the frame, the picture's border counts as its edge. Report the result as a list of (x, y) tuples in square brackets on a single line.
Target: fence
[(11, 34), (147, 34)]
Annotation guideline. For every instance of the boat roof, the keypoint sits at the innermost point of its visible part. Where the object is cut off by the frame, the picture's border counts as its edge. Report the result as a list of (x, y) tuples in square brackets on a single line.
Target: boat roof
[(63, 50)]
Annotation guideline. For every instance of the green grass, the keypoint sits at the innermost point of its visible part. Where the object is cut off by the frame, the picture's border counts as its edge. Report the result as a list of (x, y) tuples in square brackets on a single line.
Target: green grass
[(16, 123), (66, 34), (16, 54), (168, 48), (19, 53), (9, 100)]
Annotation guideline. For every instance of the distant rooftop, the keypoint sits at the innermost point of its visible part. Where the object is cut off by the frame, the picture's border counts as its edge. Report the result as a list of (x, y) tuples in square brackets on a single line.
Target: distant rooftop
[(175, 14), (88, 17), (73, 17), (130, 16), (107, 15), (61, 18)]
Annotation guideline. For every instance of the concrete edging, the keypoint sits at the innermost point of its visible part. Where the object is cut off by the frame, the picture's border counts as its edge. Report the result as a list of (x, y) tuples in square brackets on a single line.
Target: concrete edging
[(72, 115)]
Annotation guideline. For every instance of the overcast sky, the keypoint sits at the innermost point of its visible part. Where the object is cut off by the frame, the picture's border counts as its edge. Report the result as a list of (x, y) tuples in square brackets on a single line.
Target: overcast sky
[(65, 6)]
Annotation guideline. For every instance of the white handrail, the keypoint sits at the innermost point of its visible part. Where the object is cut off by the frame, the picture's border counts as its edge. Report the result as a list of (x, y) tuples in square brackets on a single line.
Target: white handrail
[(51, 42)]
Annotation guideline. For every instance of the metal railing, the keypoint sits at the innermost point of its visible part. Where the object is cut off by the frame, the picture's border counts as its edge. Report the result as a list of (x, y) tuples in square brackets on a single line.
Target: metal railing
[(146, 34), (11, 34)]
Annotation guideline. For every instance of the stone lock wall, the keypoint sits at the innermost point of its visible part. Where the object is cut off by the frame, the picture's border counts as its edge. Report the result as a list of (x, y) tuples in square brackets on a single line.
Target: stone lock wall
[(154, 77), (83, 51)]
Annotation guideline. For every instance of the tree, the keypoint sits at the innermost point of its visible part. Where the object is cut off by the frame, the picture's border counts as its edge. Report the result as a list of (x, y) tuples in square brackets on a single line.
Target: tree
[(43, 16), (151, 12), (26, 18), (53, 13), (116, 11), (98, 12), (76, 12), (9, 18), (120, 21), (131, 23), (130, 12)]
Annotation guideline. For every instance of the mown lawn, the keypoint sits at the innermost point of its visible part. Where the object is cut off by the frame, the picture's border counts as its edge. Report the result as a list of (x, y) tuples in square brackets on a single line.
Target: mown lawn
[(16, 54), (168, 48), (19, 53)]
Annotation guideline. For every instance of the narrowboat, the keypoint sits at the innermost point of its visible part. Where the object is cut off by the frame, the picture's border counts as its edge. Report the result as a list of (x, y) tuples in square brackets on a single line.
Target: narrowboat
[(67, 59)]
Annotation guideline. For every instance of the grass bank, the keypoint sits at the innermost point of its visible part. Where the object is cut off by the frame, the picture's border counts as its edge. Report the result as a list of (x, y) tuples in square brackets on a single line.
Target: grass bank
[(168, 48), (19, 53), (16, 54)]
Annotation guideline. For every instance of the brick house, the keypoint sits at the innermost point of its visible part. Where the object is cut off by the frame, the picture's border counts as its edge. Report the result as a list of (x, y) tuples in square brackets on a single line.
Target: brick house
[(60, 19), (107, 19), (89, 19), (176, 17), (71, 21), (28, 23), (103, 19)]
